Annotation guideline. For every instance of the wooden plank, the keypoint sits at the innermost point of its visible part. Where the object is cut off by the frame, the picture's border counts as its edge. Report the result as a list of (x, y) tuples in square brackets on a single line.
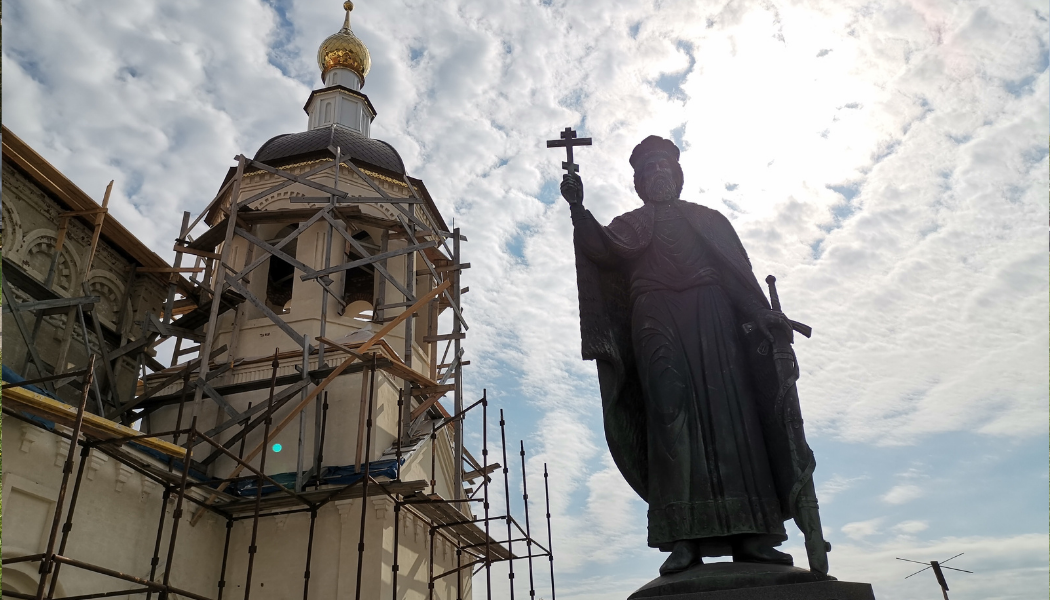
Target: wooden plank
[(444, 337), (83, 213), (472, 475), (94, 425), (443, 269), (53, 304), (172, 269), (196, 252), (435, 389)]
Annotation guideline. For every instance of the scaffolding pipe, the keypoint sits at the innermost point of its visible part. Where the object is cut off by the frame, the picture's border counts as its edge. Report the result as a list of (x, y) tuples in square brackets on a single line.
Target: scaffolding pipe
[(225, 556), (367, 476), (262, 470), (457, 329), (177, 514), (69, 516), (309, 554), (528, 527), (160, 534), (550, 544), (506, 496), (397, 477), (67, 469), (485, 484)]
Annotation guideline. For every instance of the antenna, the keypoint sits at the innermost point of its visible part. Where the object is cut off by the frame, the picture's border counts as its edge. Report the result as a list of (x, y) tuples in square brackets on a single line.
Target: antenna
[(937, 567)]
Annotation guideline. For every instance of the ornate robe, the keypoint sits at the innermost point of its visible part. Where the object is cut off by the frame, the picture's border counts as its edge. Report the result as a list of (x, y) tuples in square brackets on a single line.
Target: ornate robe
[(687, 397)]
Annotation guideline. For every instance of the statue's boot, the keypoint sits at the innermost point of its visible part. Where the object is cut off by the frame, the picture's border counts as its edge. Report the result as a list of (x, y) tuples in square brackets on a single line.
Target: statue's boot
[(755, 549), (684, 555)]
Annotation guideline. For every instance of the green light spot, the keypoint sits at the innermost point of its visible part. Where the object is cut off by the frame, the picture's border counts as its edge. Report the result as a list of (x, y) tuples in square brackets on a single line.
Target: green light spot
[(277, 447)]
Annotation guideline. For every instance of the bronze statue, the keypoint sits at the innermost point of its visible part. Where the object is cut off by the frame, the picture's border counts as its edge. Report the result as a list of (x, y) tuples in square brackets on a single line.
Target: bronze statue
[(696, 373)]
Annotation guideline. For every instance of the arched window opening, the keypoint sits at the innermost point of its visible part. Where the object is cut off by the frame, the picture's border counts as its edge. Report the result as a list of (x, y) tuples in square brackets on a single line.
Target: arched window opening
[(359, 282), (280, 276)]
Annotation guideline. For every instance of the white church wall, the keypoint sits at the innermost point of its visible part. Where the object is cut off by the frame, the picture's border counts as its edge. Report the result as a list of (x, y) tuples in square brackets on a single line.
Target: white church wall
[(115, 520)]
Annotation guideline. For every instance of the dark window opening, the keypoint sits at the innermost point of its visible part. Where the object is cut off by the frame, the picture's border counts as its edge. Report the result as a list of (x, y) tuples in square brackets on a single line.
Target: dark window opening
[(359, 282), (279, 277)]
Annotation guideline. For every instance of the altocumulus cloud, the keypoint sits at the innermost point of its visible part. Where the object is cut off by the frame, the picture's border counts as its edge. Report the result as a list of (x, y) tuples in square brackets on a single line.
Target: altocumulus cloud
[(889, 166)]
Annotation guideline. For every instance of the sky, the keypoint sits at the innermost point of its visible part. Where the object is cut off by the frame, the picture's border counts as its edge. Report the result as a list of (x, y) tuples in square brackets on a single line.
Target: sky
[(887, 160)]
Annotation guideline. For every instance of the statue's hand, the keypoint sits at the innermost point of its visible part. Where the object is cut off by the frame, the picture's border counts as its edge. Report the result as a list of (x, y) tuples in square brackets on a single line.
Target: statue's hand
[(572, 189), (771, 319)]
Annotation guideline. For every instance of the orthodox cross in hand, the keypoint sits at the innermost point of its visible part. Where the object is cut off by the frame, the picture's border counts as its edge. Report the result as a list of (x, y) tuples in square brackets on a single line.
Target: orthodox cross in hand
[(568, 141)]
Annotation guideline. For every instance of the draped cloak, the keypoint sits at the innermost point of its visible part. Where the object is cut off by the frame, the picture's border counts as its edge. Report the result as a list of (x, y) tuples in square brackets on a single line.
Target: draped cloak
[(605, 320)]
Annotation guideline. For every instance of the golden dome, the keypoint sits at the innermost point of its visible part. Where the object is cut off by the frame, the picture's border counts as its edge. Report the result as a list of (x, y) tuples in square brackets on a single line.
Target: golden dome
[(344, 50)]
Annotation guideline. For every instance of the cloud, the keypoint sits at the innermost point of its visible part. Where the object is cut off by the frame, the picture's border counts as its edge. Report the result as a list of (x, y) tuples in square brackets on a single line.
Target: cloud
[(902, 494), (926, 286), (836, 485), (859, 530), (911, 527)]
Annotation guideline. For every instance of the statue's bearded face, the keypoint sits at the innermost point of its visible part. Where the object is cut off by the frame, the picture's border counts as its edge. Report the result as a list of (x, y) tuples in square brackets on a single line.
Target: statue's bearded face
[(659, 179)]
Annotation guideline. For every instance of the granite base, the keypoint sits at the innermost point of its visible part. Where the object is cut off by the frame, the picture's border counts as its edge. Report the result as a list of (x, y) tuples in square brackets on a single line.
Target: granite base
[(750, 581)]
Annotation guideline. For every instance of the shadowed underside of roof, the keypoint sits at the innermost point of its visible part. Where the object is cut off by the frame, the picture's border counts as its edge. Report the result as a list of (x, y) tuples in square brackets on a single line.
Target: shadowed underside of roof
[(284, 148)]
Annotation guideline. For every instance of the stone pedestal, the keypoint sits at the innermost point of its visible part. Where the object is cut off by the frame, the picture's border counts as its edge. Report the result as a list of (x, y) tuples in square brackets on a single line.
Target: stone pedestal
[(750, 581)]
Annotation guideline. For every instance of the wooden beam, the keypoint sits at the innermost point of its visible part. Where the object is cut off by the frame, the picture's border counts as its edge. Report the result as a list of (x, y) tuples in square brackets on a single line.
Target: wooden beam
[(84, 213), (53, 304), (172, 269), (439, 390), (422, 408), (444, 337), (94, 425), (196, 252)]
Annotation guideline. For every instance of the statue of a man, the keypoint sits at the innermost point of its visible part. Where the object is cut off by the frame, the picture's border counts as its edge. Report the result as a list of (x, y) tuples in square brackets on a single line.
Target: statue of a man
[(687, 396)]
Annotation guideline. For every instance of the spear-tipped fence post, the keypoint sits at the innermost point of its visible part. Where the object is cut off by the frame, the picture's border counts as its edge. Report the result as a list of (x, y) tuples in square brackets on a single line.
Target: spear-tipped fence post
[(506, 496), (550, 545), (528, 527)]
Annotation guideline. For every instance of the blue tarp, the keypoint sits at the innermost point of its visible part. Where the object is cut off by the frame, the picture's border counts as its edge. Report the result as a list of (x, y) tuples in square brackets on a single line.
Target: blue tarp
[(11, 377), (329, 476)]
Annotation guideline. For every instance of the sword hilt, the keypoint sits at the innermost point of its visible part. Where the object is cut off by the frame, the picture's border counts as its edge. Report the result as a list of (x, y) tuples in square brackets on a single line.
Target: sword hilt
[(774, 299)]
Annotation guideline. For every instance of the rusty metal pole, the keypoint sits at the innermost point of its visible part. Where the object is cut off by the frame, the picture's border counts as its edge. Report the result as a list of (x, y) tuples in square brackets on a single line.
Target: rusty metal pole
[(430, 577), (550, 545), (320, 447), (457, 329), (225, 556), (397, 541), (367, 475), (182, 405), (262, 469), (67, 469), (485, 483), (240, 449), (160, 534), (433, 457), (177, 514), (397, 505), (69, 516), (528, 526), (506, 495), (459, 571), (309, 553)]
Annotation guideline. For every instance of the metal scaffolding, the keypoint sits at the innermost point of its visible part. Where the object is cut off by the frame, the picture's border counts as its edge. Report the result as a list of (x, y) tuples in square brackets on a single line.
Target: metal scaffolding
[(217, 287)]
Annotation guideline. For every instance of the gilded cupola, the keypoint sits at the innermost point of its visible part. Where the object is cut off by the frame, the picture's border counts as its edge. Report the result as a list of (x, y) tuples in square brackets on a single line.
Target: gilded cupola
[(344, 50)]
